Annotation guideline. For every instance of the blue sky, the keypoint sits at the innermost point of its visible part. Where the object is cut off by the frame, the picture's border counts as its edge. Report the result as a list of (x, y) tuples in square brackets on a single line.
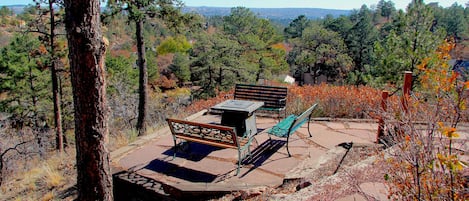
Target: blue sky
[(334, 4)]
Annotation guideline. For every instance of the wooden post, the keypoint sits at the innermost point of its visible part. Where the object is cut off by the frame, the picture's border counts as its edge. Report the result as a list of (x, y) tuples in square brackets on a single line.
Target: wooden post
[(384, 99), (406, 90)]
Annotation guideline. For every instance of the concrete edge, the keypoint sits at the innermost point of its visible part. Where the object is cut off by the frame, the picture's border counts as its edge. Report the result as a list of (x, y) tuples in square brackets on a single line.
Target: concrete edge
[(198, 114), (220, 187), (344, 120)]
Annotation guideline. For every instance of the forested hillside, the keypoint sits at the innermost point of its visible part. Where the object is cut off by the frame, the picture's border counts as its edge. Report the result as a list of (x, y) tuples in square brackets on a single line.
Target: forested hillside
[(161, 60)]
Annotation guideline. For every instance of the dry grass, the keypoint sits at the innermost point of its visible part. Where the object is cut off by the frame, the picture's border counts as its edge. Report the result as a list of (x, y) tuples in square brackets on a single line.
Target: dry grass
[(53, 178), (122, 138), (43, 182)]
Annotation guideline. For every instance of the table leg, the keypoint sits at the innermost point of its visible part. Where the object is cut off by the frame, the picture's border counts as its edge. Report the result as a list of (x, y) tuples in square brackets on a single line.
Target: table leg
[(235, 119)]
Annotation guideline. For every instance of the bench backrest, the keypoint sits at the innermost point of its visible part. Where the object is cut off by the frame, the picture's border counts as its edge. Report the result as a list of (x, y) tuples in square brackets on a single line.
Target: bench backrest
[(223, 135), (272, 96), (302, 118)]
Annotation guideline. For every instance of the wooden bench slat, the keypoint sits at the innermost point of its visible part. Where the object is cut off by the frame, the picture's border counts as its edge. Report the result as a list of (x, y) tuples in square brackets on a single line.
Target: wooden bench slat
[(241, 92), (253, 86), (258, 94), (207, 142), (274, 97)]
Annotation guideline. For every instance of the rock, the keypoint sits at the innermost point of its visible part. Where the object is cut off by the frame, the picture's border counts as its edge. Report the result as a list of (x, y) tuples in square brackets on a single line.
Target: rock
[(250, 193), (303, 185)]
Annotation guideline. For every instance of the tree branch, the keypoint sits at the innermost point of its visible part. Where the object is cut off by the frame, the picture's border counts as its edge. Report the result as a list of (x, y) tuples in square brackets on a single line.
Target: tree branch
[(15, 148)]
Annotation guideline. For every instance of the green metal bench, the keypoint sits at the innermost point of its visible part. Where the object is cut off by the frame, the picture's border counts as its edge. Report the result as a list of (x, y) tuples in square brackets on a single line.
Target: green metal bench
[(290, 124), (274, 97), (209, 134)]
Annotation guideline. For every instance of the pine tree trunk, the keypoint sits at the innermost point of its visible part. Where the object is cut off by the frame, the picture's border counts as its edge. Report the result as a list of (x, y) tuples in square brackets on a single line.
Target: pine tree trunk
[(86, 54), (55, 85), (143, 79)]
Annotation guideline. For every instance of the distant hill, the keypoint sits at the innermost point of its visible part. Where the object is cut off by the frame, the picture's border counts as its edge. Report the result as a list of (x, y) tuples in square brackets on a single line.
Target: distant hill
[(272, 13), (276, 14), (17, 9)]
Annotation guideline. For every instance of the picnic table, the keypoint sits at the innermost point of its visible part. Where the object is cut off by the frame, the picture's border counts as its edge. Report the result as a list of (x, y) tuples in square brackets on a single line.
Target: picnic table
[(239, 114)]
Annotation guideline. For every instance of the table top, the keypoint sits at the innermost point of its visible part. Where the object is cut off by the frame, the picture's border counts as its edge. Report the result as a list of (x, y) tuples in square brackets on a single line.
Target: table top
[(238, 106)]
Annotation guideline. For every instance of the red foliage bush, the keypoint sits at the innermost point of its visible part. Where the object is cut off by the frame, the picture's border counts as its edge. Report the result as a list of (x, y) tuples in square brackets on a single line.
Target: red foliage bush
[(334, 101), (202, 104)]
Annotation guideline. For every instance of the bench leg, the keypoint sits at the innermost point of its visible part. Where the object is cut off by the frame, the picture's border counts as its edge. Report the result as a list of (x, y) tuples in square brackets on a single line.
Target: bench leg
[(309, 132), (175, 148), (288, 151), (239, 162), (181, 146)]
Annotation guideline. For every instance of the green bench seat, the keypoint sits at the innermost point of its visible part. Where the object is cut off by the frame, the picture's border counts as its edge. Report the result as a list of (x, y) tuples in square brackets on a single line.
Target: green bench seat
[(290, 124)]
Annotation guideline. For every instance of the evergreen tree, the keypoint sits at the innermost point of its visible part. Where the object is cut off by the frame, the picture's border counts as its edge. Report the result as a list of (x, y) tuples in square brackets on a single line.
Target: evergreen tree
[(5, 11), (217, 64), (47, 23), (181, 67), (386, 8), (296, 27), (257, 37), (24, 81), (341, 25), (320, 52), (360, 42), (86, 53), (410, 41), (454, 22), (138, 11), (243, 48)]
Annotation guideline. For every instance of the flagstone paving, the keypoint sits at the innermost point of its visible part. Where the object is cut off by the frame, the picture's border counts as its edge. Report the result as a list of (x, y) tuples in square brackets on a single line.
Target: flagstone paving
[(146, 169)]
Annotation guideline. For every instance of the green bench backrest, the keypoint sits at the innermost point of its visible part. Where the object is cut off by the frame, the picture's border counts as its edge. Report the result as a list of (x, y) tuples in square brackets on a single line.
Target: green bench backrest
[(302, 118), (290, 124)]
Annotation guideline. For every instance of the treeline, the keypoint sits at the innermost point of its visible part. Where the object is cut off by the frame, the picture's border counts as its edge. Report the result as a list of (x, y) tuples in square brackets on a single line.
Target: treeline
[(153, 47)]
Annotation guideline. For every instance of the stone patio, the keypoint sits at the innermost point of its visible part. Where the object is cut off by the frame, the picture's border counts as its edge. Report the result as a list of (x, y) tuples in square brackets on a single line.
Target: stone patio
[(145, 170)]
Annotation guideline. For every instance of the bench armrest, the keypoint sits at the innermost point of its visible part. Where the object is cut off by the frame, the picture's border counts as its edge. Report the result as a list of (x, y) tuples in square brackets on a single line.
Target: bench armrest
[(247, 135), (283, 100)]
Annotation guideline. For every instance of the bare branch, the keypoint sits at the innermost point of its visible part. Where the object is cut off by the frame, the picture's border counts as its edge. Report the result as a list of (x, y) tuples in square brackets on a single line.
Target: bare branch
[(15, 148)]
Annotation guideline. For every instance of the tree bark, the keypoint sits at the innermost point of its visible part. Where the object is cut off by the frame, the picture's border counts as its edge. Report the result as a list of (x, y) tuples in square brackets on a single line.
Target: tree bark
[(143, 79), (86, 54)]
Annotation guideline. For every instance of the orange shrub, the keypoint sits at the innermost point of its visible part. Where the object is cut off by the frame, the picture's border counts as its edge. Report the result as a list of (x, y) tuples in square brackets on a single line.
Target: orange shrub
[(426, 160), (202, 104), (334, 101)]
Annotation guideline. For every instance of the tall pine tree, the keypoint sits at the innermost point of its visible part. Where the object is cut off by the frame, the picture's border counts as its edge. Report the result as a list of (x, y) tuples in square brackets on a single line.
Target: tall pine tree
[(86, 53), (410, 41)]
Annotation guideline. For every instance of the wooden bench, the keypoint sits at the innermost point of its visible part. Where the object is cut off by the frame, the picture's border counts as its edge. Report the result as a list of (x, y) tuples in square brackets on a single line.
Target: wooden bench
[(210, 134), (290, 124), (274, 98)]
